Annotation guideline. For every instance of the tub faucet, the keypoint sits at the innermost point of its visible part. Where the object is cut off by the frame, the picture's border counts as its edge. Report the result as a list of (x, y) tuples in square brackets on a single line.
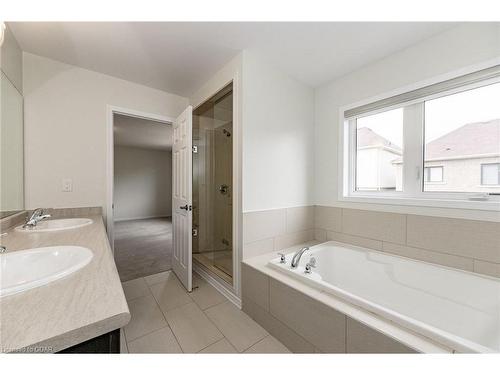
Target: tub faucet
[(36, 216), (297, 256)]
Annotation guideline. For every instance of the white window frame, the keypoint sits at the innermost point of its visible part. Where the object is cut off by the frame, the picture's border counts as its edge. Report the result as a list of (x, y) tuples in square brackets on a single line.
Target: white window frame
[(413, 193), (428, 169), (482, 174)]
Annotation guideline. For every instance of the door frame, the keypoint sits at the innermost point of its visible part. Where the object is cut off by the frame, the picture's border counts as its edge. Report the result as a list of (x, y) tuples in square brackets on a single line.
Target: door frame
[(234, 292), (111, 110)]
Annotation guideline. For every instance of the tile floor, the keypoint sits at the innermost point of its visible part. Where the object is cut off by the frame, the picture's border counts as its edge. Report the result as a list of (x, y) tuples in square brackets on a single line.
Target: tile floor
[(167, 319)]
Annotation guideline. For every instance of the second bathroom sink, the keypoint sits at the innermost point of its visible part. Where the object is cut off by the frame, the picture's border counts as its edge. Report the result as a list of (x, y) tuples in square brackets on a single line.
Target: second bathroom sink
[(56, 225)]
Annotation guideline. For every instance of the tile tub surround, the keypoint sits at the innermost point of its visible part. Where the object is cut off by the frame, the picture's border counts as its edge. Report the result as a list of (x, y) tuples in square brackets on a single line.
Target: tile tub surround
[(86, 304), (272, 230), (284, 307), (470, 245)]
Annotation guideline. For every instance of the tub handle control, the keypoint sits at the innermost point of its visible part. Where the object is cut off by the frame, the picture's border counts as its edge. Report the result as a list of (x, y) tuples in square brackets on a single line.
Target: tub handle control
[(310, 265), (282, 258)]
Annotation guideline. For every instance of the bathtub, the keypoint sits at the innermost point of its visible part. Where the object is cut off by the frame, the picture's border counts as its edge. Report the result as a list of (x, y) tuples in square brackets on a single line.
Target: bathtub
[(456, 308)]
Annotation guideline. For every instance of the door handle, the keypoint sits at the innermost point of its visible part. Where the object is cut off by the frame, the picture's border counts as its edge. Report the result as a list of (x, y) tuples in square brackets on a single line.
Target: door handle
[(186, 207)]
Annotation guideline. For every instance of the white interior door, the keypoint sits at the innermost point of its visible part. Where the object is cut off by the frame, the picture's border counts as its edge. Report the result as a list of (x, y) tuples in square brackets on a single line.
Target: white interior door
[(182, 211)]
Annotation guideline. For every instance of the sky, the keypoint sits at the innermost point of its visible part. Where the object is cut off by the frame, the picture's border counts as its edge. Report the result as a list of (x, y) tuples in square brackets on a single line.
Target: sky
[(442, 115)]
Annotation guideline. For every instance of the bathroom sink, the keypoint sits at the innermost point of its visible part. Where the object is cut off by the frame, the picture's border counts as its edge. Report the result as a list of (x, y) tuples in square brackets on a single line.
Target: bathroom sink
[(28, 269), (56, 225)]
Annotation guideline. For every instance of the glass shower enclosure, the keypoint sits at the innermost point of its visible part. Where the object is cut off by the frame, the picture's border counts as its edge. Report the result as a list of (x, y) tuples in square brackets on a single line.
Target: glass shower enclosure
[(212, 184)]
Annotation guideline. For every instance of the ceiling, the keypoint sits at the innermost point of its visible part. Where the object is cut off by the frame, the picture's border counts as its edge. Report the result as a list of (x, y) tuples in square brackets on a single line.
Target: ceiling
[(178, 57), (137, 132)]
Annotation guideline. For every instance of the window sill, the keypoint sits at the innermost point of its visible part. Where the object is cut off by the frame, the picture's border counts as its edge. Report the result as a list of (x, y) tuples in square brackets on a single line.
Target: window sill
[(491, 205)]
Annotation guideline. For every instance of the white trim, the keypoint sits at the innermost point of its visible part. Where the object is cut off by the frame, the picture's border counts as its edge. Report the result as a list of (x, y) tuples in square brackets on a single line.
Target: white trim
[(425, 199), (110, 111), (217, 284)]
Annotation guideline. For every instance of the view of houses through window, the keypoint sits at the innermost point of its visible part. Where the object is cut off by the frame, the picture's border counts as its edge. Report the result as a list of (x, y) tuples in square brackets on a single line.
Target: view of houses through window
[(461, 145)]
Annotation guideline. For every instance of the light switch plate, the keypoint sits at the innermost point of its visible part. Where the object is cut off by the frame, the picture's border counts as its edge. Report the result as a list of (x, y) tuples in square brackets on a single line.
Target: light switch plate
[(67, 185)]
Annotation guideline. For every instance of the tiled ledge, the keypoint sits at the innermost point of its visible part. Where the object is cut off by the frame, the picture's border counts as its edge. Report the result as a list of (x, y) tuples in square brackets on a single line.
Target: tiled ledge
[(470, 245)]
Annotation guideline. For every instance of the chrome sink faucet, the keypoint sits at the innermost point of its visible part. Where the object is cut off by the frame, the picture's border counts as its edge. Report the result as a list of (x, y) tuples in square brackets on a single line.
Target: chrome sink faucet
[(297, 256), (36, 216)]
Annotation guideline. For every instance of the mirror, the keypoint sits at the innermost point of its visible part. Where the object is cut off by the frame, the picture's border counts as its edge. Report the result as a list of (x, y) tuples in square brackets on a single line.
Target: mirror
[(12, 149)]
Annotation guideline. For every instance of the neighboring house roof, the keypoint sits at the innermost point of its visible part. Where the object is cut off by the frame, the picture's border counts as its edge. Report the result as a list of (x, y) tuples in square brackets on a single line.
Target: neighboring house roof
[(478, 138), (368, 138)]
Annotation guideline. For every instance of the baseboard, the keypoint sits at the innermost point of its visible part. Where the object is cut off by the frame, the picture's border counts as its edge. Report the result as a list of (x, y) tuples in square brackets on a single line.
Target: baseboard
[(141, 218), (219, 285)]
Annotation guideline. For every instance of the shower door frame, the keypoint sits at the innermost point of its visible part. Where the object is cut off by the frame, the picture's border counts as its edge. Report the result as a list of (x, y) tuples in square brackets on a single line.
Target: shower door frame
[(233, 293)]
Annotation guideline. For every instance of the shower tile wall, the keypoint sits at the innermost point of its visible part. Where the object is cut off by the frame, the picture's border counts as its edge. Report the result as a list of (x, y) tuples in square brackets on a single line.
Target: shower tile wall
[(471, 245)]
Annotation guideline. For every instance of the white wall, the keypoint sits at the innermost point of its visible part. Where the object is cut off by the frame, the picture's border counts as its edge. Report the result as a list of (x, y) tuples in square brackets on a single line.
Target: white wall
[(278, 138), (11, 59), (11, 127), (142, 183), (65, 128), (452, 50)]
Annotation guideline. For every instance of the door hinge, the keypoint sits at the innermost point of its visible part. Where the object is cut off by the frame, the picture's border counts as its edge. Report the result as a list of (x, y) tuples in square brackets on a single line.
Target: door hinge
[(195, 149)]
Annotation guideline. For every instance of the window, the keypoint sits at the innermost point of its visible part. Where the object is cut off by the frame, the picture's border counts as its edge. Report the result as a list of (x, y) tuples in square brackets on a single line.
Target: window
[(490, 174), (402, 146), (461, 133), (433, 174), (379, 141)]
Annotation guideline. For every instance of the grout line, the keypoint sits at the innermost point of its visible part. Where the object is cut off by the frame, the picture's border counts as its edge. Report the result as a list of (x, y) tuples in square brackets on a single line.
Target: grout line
[(262, 339)]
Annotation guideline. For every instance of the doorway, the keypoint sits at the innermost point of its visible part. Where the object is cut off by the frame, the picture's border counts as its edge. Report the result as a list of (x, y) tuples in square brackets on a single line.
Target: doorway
[(142, 195), (212, 185)]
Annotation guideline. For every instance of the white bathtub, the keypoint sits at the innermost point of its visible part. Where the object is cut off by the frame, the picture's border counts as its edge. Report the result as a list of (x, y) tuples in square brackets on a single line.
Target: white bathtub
[(456, 308)]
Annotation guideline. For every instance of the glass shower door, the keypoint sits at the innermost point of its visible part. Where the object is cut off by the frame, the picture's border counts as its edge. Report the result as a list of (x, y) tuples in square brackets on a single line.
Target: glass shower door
[(212, 184)]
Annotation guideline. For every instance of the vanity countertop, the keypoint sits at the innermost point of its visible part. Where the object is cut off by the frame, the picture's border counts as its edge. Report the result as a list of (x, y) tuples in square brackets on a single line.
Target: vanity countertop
[(63, 313)]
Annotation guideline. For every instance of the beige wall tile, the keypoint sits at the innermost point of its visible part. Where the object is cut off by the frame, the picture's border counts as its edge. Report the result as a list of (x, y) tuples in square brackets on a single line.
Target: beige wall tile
[(383, 226), (328, 218), (468, 238), (320, 234), (319, 324), (429, 256), (241, 331), (362, 339), (256, 248), (255, 286), (260, 225), (487, 268), (291, 339), (290, 239), (354, 240), (299, 218)]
